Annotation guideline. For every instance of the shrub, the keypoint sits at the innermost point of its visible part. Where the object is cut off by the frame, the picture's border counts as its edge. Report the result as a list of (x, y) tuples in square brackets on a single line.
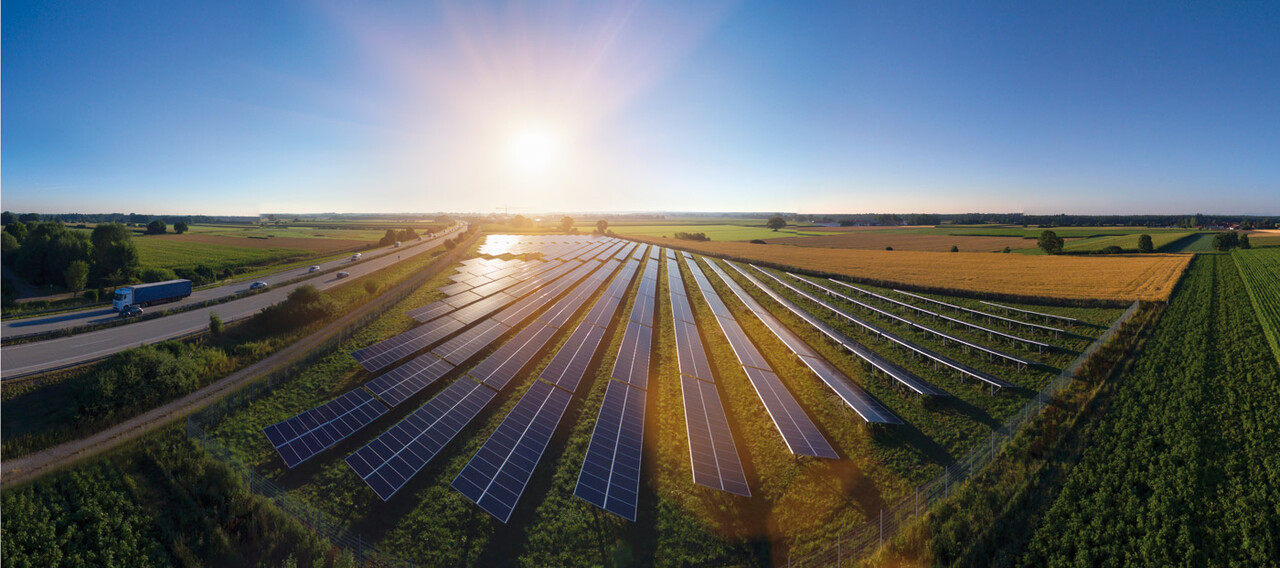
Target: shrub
[(1113, 249), (888, 248), (215, 324), (758, 242), (304, 305), (955, 248), (370, 286), (157, 275), (692, 236)]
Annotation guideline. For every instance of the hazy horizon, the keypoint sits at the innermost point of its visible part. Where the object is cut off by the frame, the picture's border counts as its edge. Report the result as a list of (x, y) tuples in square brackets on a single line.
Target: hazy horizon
[(242, 108)]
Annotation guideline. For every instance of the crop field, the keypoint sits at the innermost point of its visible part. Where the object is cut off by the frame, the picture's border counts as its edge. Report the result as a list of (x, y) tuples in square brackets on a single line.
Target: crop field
[(1260, 270), (1196, 242), (1183, 470), (878, 240), (797, 504), (1127, 242), (159, 252), (1148, 277), (715, 232), (256, 232)]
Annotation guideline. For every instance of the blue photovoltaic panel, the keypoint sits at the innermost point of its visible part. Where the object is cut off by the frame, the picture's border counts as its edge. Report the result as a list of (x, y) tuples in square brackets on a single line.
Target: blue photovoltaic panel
[(470, 342), (397, 385), (632, 364), (391, 460), (610, 477), (562, 311), (455, 288), (798, 431), (642, 310), (498, 285), (505, 363), (690, 354), (602, 313), (461, 299), (381, 355), (711, 451), (482, 309), (496, 476), (680, 308), (305, 435), (517, 312), (746, 351), (569, 365), (430, 311)]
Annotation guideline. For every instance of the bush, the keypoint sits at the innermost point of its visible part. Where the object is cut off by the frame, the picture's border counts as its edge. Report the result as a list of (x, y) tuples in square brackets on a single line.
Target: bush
[(142, 377), (1145, 244), (91, 295), (758, 242), (1007, 249), (1113, 249), (955, 248), (304, 305), (215, 325), (370, 286), (888, 248), (157, 275), (692, 236), (450, 245)]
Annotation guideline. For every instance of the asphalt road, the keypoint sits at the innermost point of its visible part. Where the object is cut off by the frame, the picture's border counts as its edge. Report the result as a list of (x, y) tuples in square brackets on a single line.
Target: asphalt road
[(39, 356)]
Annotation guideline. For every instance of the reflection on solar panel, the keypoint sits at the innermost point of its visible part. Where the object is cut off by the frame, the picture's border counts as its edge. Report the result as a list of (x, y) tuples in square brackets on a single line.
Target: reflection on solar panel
[(610, 477), (569, 365), (400, 383), (481, 310), (853, 395), (381, 355), (689, 352), (505, 363), (455, 288), (430, 311), (798, 431), (711, 451), (390, 460), (470, 342), (632, 364), (496, 476), (307, 434)]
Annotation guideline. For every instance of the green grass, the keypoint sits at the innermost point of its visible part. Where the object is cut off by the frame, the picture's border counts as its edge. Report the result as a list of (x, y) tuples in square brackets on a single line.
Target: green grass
[(1196, 242), (1260, 270), (719, 232), (1127, 242), (172, 254), (254, 231)]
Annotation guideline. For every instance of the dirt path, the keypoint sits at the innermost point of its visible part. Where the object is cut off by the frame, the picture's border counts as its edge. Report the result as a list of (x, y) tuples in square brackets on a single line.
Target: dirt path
[(29, 467)]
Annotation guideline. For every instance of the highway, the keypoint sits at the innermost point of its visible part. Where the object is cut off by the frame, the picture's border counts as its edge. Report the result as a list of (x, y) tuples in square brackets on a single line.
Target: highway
[(39, 356)]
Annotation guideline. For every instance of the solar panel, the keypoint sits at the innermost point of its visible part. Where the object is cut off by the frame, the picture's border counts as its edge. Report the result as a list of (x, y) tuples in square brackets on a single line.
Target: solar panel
[(482, 309), (742, 346), (300, 438), (461, 299), (455, 288), (798, 431), (381, 355), (632, 364), (495, 286), (680, 308), (470, 342), (690, 353), (519, 311), (602, 313), (569, 365), (610, 477), (496, 476), (642, 310), (711, 451), (397, 385), (392, 459), (505, 363), (430, 311)]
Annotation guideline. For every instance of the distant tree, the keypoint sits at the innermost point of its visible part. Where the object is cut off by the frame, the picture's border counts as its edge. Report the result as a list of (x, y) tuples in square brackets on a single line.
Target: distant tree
[(955, 248), (1145, 244), (566, 223), (1050, 242), (776, 222), (1007, 249), (602, 226), (1226, 241), (76, 276), (215, 324), (156, 227), (758, 242), (1244, 242), (888, 248), (1111, 249), (122, 262), (9, 248), (29, 217), (18, 229), (388, 238), (8, 217), (180, 227), (521, 222)]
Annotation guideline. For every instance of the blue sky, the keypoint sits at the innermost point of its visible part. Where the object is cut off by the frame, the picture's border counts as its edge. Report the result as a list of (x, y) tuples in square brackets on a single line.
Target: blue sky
[(255, 107)]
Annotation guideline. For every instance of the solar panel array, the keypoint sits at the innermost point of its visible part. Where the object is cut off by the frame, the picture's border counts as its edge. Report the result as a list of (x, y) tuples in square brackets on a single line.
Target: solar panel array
[(799, 432), (389, 461), (496, 476), (1009, 322), (610, 476), (712, 455), (309, 433), (870, 409), (381, 355), (397, 385), (1029, 312)]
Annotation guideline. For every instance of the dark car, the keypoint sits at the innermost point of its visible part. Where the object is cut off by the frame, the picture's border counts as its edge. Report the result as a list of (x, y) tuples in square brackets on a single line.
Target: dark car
[(342, 275), (258, 285), (130, 312)]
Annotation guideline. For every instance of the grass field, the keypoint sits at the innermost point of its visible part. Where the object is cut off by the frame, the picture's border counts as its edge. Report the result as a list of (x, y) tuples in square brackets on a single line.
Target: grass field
[(1196, 242), (1127, 242), (160, 252), (716, 232), (878, 240), (1123, 278)]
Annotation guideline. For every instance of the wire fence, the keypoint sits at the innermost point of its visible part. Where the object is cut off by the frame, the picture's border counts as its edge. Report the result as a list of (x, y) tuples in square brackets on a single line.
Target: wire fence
[(860, 542)]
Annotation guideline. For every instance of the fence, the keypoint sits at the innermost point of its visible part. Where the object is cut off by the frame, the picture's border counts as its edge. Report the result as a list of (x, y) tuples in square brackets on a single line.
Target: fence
[(326, 527), (861, 541)]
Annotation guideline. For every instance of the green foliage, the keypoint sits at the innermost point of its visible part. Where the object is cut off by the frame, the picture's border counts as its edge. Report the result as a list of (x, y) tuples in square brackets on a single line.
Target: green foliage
[(1113, 249), (1244, 242), (8, 246), (304, 305), (1226, 241), (7, 218), (955, 248), (692, 236), (566, 223), (1050, 242), (48, 251), (1260, 270), (776, 222), (140, 378), (76, 275), (371, 286), (602, 226), (180, 227), (117, 259), (18, 229), (156, 227), (388, 239), (1144, 244), (216, 326), (157, 275)]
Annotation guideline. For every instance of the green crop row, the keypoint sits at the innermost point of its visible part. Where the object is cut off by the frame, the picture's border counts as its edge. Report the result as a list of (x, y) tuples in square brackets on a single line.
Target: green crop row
[(1260, 269)]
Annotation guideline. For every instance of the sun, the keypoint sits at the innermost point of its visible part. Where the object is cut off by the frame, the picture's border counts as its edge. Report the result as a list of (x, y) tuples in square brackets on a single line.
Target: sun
[(534, 149)]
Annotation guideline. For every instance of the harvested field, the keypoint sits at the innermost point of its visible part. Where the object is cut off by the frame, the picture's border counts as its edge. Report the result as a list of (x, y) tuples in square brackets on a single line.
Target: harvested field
[(878, 240), (1109, 277)]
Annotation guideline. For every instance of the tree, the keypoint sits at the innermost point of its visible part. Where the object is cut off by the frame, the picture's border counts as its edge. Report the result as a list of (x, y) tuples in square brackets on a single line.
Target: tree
[(602, 226), (76, 276), (388, 238), (18, 229), (8, 217), (1007, 249), (1050, 242), (29, 217), (180, 227), (776, 222), (1244, 242), (955, 248), (1226, 241), (215, 324), (566, 223), (117, 259), (9, 248), (1144, 244)]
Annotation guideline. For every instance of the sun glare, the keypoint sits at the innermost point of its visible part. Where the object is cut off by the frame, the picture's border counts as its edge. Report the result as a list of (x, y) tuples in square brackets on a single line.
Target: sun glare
[(533, 149)]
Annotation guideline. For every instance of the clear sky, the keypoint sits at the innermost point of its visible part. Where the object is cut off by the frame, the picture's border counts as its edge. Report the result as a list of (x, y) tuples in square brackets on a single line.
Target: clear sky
[(254, 107)]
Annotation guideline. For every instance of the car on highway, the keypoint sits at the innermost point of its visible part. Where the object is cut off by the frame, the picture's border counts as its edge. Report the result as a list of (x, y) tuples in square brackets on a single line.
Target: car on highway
[(313, 269), (130, 312), (342, 275), (258, 285), (356, 257)]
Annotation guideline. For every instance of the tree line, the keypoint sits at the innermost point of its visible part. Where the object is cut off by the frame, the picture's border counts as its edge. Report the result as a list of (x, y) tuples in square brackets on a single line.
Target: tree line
[(48, 253)]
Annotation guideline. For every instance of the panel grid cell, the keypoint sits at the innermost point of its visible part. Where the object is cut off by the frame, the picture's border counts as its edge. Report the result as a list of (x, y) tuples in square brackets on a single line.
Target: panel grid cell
[(610, 476)]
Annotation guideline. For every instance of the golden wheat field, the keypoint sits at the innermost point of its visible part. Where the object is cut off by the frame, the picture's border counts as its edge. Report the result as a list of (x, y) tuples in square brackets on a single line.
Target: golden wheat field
[(1110, 277)]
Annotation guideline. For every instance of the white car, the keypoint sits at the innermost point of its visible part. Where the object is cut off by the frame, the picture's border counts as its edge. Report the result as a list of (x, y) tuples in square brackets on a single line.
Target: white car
[(257, 285), (313, 269)]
